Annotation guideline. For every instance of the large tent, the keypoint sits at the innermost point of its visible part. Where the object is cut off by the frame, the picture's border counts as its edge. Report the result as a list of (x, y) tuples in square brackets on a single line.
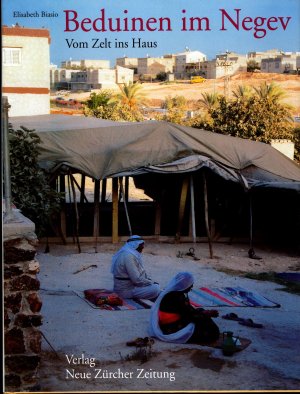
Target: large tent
[(103, 149)]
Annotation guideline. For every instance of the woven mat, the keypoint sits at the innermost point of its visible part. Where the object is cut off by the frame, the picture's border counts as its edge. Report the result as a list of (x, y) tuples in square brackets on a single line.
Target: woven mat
[(202, 297), (229, 296), (128, 304)]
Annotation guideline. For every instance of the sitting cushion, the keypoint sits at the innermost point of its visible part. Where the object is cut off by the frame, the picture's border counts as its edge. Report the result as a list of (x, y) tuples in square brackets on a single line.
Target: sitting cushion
[(103, 297)]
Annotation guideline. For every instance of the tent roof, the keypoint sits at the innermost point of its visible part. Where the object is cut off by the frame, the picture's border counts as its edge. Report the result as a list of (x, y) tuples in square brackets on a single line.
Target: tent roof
[(101, 149)]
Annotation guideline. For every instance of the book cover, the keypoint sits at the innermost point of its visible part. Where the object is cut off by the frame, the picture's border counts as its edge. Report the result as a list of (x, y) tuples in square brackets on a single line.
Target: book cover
[(173, 48)]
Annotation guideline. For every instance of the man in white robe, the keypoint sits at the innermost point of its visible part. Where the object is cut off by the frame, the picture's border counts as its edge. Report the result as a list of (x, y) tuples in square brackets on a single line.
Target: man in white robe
[(130, 277)]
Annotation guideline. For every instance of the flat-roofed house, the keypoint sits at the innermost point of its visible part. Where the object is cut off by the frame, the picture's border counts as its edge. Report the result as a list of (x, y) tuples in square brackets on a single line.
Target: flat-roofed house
[(124, 75), (86, 63), (25, 70), (187, 62), (152, 66), (259, 55), (128, 62), (288, 62), (228, 63), (71, 64)]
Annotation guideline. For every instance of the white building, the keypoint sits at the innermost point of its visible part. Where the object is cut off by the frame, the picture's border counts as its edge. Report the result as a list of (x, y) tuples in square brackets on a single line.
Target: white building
[(128, 62), (259, 55), (286, 147), (124, 75), (188, 61), (100, 78), (60, 78), (152, 66), (226, 64), (287, 62), (70, 64), (85, 64), (25, 70)]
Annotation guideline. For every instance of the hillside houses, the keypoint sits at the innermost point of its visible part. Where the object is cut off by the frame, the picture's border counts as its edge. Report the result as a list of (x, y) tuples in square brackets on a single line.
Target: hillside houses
[(89, 75), (96, 74)]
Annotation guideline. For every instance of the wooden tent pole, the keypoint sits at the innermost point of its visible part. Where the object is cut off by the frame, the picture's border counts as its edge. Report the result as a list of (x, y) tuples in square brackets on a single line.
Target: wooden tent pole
[(193, 208), (125, 205), (76, 214), (63, 227), (70, 202), (82, 195), (182, 205), (126, 188), (103, 193), (96, 212), (206, 215), (115, 211), (157, 219)]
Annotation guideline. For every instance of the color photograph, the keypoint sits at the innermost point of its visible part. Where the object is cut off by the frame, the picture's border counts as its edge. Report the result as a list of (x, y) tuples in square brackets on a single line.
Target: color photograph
[(150, 196)]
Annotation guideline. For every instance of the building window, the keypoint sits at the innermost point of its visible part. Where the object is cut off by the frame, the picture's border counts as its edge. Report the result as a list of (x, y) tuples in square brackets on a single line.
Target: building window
[(11, 56)]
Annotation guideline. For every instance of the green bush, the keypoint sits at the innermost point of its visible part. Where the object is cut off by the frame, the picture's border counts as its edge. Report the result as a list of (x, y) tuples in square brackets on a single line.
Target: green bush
[(30, 185), (162, 76)]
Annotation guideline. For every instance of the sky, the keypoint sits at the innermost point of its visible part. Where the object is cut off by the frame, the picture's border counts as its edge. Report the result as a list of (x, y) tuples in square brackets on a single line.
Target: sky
[(226, 25)]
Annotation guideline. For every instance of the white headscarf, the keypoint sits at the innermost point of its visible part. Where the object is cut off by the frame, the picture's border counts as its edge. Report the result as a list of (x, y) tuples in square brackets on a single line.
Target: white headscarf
[(130, 247), (181, 282)]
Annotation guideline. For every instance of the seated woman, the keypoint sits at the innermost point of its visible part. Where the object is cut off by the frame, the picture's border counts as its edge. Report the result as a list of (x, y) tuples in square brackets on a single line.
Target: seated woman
[(174, 319)]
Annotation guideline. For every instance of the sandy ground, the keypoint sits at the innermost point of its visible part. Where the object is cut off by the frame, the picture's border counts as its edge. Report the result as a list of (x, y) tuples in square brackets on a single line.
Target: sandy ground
[(156, 92), (72, 327)]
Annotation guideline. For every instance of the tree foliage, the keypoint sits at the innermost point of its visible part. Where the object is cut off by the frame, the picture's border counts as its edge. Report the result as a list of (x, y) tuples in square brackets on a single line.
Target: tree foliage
[(98, 99), (130, 95), (297, 143), (30, 187), (252, 65), (162, 76), (208, 100), (123, 106), (257, 115), (175, 109)]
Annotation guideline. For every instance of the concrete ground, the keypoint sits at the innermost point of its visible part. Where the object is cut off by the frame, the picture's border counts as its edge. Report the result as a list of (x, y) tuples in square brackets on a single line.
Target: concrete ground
[(73, 330)]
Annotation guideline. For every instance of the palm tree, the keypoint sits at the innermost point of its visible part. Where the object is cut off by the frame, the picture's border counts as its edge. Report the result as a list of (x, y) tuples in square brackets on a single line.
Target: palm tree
[(130, 95), (270, 92), (242, 92), (209, 100)]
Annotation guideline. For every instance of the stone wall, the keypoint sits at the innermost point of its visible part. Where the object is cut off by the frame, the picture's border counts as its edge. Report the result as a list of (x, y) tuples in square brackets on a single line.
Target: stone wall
[(22, 305)]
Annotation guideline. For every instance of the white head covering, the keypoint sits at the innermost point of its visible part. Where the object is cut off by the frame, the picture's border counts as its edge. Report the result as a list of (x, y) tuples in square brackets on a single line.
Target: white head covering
[(130, 247), (180, 282)]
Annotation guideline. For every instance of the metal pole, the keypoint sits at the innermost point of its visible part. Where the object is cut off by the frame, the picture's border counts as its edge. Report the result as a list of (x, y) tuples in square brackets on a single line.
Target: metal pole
[(6, 162)]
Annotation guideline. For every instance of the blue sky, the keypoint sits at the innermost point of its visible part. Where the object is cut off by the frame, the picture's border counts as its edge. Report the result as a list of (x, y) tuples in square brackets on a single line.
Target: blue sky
[(210, 42)]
